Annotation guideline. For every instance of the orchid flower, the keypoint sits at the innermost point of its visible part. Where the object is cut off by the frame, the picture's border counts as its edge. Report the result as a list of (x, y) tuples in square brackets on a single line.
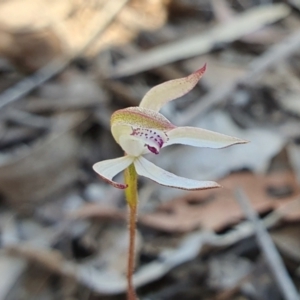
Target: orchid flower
[(141, 130)]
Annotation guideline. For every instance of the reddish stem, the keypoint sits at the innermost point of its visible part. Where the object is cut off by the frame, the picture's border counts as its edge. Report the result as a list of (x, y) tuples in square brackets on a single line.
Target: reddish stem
[(131, 295)]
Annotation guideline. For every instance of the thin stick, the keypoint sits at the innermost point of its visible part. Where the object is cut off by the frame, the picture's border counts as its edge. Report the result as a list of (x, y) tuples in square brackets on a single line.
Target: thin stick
[(245, 23), (272, 57), (272, 256)]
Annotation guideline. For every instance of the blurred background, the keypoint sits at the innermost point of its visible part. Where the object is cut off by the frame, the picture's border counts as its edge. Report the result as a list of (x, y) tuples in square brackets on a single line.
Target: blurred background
[(66, 66)]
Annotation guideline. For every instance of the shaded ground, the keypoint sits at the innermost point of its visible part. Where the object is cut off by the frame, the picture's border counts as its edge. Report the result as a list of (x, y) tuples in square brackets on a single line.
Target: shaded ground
[(65, 70)]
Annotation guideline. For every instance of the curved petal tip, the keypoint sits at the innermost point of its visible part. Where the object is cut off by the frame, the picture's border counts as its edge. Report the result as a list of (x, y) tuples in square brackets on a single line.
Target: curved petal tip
[(108, 169), (201, 71), (115, 184)]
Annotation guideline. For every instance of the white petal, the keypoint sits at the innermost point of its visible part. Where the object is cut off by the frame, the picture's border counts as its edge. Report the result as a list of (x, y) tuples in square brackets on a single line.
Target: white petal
[(108, 169), (147, 169), (199, 137), (170, 90)]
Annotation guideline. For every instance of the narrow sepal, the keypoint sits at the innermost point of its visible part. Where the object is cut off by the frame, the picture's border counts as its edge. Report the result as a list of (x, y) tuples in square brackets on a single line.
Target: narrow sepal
[(170, 90), (147, 169), (108, 169), (199, 137)]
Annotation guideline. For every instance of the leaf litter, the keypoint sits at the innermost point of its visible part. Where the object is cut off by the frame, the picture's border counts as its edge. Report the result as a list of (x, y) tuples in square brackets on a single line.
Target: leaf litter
[(60, 224)]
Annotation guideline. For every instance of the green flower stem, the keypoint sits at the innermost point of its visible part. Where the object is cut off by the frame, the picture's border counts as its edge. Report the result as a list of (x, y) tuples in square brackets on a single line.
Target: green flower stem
[(132, 201)]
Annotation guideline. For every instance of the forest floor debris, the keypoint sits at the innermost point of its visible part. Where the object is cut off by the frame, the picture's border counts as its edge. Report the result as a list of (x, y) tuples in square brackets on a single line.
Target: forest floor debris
[(63, 231)]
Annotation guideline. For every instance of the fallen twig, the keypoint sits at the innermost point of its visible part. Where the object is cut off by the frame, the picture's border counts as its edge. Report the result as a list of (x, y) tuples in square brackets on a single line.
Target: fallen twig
[(240, 26), (271, 57), (27, 119), (266, 244), (104, 283)]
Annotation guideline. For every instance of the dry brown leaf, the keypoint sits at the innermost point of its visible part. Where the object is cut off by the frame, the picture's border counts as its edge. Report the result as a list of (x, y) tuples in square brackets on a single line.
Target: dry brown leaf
[(217, 209), (50, 259), (287, 239), (98, 211), (290, 213), (67, 27)]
